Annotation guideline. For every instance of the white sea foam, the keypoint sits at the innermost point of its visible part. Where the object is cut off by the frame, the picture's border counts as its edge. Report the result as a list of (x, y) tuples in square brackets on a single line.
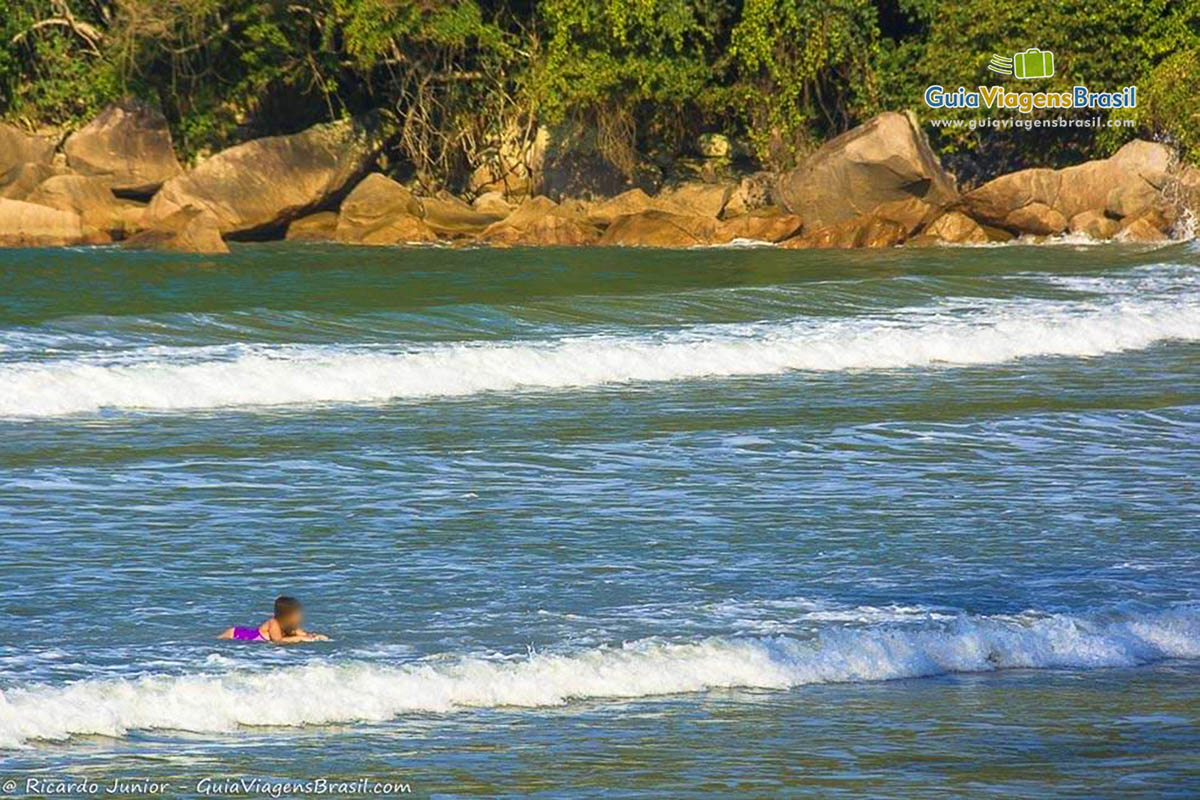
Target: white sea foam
[(972, 332), (325, 693)]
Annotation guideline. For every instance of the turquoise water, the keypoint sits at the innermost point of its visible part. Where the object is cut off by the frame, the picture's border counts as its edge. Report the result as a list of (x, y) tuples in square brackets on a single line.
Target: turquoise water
[(585, 522)]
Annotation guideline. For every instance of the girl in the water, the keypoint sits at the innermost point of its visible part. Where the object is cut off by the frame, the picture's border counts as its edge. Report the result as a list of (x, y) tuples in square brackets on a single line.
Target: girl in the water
[(283, 628)]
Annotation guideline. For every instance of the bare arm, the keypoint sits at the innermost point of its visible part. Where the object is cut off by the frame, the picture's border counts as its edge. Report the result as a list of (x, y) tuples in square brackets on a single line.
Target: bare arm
[(277, 636)]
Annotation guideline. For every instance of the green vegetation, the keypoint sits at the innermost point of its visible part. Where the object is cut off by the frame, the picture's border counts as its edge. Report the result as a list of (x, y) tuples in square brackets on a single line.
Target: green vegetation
[(642, 77)]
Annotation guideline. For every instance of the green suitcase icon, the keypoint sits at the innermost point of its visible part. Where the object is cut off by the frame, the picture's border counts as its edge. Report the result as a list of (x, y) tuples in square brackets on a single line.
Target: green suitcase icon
[(1033, 63)]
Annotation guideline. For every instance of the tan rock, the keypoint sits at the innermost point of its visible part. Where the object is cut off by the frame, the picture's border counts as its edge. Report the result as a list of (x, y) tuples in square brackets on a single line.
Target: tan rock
[(92, 200), (995, 200), (995, 234), (540, 221), (189, 230), (634, 201), (1125, 184), (1036, 218), (1163, 215), (576, 207), (909, 212), (761, 225), (1094, 225), (454, 218), (128, 145), (396, 229), (954, 227), (377, 196), (380, 211), (1131, 198), (862, 231), (492, 203), (1141, 229), (1151, 161), (20, 181), (265, 183), (319, 227), (695, 199), (31, 225), (19, 147), (661, 229), (689, 200), (890, 224), (886, 159), (1152, 225)]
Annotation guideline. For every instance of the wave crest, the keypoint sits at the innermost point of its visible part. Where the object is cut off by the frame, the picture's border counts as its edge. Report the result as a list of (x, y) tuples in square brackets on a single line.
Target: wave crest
[(325, 693), (249, 376)]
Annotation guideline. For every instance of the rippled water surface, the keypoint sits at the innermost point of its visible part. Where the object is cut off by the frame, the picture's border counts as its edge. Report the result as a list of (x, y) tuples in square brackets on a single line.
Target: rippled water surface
[(606, 522)]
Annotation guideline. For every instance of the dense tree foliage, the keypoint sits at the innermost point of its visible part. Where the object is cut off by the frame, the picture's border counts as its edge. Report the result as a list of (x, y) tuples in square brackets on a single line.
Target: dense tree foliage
[(643, 77)]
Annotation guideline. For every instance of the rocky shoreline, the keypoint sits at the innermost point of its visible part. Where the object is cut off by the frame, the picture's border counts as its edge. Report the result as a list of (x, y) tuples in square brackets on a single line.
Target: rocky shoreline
[(118, 179)]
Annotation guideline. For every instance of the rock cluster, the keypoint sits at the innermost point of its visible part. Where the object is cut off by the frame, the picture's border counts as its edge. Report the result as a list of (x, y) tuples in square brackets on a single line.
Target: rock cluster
[(878, 185)]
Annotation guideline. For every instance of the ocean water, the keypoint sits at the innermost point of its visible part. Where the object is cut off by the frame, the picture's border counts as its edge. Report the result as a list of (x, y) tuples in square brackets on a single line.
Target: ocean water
[(604, 522)]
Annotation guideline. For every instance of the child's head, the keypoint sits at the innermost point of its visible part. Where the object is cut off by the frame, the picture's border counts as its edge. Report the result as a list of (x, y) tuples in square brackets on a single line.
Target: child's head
[(288, 613)]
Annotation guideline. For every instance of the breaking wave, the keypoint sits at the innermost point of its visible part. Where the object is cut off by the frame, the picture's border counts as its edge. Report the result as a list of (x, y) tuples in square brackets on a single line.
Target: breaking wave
[(163, 378), (357, 691)]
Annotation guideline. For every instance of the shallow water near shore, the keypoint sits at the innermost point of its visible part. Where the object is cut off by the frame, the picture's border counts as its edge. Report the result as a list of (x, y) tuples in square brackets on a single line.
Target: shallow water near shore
[(621, 522)]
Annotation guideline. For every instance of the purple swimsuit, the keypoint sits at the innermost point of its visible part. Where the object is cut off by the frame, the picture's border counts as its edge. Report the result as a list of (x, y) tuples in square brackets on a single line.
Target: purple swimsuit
[(247, 635)]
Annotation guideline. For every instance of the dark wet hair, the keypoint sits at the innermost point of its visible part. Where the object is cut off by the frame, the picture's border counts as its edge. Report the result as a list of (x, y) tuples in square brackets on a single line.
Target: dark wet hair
[(285, 605)]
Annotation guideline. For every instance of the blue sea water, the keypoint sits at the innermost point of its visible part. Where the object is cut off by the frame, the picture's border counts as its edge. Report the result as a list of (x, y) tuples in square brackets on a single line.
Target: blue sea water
[(605, 522)]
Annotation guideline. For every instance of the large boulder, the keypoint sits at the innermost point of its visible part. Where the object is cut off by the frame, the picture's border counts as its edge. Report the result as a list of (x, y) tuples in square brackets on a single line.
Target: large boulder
[(865, 230), (1042, 201), (1093, 224), (451, 217), (689, 199), (605, 212), (20, 181), (1141, 229), (1036, 218), (18, 147), (262, 185), (318, 227), (390, 230), (888, 225), (381, 212), (1153, 162), (660, 229), (765, 224), (128, 145), (540, 221), (1154, 224), (884, 160), (695, 198), (91, 199), (32, 225), (189, 230), (492, 203), (955, 227)]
